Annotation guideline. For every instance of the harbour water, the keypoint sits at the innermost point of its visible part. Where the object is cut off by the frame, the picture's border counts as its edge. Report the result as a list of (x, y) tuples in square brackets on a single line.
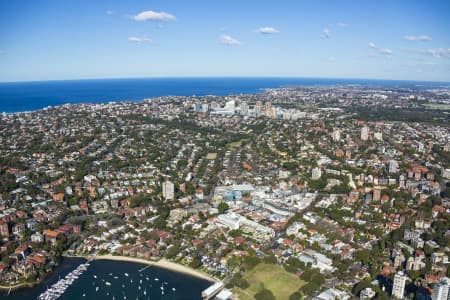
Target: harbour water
[(28, 96), (106, 280)]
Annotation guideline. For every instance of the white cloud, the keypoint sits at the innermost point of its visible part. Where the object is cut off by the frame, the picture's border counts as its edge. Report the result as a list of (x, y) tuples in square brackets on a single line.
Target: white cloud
[(228, 40), (267, 30), (326, 34), (341, 24), (417, 38), (372, 45), (109, 12), (439, 52), (384, 51), (150, 15), (139, 40), (436, 52)]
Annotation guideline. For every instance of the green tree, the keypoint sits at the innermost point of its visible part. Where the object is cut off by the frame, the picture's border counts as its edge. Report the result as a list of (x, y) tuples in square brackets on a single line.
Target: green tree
[(295, 296), (309, 288), (381, 296), (270, 259), (195, 263), (363, 255), (238, 281), (264, 294), (360, 286), (251, 261), (223, 206), (172, 251)]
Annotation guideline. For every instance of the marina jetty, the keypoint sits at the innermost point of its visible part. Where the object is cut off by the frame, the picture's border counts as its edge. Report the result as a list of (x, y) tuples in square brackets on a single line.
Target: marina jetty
[(58, 289)]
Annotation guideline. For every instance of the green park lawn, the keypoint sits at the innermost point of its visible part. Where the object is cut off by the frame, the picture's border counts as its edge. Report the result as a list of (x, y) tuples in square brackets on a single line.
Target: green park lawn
[(236, 144), (280, 282)]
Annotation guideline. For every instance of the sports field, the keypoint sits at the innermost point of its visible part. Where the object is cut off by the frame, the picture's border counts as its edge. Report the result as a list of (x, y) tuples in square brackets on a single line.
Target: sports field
[(280, 282)]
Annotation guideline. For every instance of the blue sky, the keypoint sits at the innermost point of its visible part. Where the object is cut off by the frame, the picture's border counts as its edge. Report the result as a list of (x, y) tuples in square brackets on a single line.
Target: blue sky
[(73, 39)]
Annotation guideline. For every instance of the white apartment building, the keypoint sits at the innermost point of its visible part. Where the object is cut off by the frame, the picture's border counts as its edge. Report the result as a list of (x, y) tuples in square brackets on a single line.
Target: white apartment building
[(442, 290), (398, 289), (168, 190), (365, 133)]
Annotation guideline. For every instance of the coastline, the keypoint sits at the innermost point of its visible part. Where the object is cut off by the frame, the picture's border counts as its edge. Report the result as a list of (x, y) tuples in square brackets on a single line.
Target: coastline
[(30, 284), (13, 100), (19, 285), (162, 263)]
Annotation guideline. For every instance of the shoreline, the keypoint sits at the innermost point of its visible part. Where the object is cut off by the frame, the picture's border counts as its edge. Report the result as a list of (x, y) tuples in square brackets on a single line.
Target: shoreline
[(27, 285), (162, 263), (19, 286), (278, 82)]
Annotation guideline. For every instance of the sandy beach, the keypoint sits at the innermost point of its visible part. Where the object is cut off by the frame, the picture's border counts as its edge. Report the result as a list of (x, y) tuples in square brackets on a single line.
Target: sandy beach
[(163, 263)]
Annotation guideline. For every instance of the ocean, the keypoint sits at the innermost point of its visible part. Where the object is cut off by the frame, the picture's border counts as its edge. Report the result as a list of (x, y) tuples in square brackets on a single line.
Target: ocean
[(29, 96), (147, 284)]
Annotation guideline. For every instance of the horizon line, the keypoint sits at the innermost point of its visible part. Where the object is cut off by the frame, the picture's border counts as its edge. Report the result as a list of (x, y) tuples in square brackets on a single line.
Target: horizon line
[(224, 77)]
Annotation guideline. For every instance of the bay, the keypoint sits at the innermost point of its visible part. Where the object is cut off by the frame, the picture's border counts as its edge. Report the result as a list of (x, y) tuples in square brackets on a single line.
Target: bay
[(151, 280)]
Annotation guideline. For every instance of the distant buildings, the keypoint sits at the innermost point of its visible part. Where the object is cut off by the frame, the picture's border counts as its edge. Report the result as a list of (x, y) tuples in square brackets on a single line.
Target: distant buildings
[(365, 133), (230, 220), (258, 181), (336, 135), (398, 258), (376, 194), (258, 107), (316, 173), (393, 166), (366, 294), (378, 136), (198, 107), (230, 106), (439, 258), (333, 294), (37, 237), (398, 289), (228, 109), (235, 221), (442, 290), (4, 229), (168, 190), (446, 173), (244, 108), (317, 260), (416, 263), (295, 228)]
